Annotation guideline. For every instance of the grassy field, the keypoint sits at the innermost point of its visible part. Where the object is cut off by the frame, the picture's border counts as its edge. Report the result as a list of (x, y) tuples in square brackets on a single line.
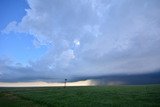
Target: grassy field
[(94, 96)]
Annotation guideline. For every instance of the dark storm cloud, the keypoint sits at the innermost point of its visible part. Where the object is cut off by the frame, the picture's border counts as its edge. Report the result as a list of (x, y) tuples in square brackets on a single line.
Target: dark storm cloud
[(123, 79), (89, 38)]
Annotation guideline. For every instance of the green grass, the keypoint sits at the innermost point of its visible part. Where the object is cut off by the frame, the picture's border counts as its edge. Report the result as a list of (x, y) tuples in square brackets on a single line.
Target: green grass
[(95, 96)]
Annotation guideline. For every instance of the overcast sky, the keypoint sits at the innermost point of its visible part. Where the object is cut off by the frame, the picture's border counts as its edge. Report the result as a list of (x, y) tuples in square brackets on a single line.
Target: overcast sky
[(49, 40)]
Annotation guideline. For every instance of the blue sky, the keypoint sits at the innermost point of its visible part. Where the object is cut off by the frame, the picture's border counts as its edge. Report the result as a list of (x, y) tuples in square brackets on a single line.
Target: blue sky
[(18, 46), (49, 40), (12, 10)]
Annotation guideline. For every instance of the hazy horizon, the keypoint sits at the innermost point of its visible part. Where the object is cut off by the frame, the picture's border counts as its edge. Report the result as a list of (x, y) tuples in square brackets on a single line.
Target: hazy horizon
[(107, 41)]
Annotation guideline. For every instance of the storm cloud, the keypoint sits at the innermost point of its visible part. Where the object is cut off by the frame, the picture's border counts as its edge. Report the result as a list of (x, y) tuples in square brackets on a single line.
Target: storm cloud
[(88, 38)]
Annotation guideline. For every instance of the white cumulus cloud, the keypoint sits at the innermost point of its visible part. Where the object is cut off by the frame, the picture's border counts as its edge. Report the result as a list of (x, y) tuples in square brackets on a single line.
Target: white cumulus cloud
[(111, 37)]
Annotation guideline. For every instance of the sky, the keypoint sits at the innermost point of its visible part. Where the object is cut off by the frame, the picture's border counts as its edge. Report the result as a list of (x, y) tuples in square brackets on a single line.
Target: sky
[(50, 40)]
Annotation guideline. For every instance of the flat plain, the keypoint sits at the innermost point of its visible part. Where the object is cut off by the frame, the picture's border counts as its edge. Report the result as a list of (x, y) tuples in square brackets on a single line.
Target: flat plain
[(89, 96)]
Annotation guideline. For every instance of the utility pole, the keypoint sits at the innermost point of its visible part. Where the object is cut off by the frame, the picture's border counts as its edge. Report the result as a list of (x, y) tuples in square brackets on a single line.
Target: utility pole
[(65, 83)]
